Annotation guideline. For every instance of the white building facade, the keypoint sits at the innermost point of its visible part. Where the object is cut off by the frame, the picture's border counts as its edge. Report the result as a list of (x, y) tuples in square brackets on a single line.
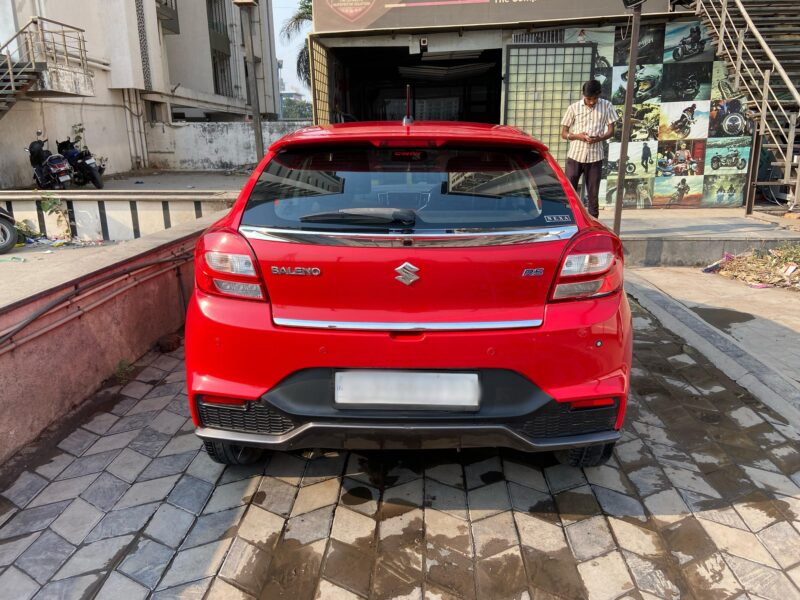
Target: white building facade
[(138, 62)]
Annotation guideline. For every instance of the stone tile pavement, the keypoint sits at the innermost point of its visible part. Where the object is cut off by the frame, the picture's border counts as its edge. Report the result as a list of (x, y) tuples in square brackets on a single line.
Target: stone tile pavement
[(701, 501)]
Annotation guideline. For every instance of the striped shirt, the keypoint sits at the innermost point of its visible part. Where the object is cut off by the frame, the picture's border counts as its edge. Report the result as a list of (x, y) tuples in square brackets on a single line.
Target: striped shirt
[(579, 118)]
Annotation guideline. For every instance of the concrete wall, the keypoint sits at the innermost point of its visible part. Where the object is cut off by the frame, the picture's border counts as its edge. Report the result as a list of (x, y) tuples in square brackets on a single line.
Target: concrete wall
[(84, 346), (189, 54), (103, 116), (208, 146)]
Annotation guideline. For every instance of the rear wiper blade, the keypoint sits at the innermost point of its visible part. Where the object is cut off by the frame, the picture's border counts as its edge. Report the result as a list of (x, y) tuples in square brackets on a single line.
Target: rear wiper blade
[(364, 216)]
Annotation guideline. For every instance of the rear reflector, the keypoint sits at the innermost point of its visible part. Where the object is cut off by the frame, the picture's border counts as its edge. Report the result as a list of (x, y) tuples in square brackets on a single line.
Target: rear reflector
[(226, 400), (237, 288), (591, 403), (574, 290)]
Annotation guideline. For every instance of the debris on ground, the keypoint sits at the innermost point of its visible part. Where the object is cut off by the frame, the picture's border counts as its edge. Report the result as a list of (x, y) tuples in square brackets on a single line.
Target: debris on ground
[(777, 267), (39, 241)]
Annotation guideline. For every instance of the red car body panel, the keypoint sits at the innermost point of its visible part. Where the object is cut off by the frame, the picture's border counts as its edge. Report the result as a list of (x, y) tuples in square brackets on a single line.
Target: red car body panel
[(581, 350)]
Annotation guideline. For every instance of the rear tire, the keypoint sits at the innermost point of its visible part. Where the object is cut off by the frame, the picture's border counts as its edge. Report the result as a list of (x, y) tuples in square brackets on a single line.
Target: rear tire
[(232, 454), (94, 177), (8, 236), (588, 456)]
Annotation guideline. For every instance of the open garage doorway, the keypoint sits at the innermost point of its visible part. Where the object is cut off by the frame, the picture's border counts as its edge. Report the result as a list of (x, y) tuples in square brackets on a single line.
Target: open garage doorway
[(369, 84)]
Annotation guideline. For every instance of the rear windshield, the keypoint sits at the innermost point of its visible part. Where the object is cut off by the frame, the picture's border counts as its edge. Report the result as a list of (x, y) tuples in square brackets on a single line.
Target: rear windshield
[(432, 189)]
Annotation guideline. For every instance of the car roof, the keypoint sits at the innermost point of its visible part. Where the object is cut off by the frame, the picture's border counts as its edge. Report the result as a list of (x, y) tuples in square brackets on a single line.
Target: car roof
[(422, 133)]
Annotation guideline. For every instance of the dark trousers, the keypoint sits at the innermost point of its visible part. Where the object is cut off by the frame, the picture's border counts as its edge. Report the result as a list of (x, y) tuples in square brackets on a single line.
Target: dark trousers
[(592, 173)]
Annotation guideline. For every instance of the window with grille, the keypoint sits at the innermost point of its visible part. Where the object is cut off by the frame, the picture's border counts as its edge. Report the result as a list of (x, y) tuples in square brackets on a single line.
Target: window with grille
[(541, 82), (217, 20), (221, 68)]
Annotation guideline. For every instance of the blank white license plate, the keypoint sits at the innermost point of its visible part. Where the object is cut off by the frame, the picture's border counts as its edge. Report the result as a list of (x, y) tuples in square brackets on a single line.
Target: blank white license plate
[(63, 178), (401, 390), (90, 161)]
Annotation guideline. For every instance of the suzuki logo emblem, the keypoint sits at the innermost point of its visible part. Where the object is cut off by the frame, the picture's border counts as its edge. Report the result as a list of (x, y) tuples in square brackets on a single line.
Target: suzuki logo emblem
[(407, 273)]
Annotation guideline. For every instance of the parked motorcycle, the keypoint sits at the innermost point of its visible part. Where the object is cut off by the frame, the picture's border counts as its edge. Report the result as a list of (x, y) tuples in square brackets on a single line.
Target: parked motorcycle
[(8, 231), (687, 49), (51, 171), (85, 167), (731, 159)]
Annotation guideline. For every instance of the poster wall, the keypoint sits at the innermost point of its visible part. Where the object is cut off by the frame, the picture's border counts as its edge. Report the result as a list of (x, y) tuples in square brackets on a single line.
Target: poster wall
[(690, 140)]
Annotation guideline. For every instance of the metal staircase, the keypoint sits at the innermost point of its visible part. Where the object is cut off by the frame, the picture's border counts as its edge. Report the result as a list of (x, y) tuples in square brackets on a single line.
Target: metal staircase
[(45, 57), (759, 41)]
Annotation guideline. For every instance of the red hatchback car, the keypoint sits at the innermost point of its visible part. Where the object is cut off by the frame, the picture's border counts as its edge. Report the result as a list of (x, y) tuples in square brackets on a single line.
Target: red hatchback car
[(433, 285)]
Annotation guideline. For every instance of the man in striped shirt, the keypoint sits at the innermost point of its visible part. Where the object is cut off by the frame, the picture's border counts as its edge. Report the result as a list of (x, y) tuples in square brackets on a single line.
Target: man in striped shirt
[(587, 124)]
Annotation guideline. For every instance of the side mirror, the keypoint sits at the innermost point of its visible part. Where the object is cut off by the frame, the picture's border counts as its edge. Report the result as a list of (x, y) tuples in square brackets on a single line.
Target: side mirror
[(38, 133)]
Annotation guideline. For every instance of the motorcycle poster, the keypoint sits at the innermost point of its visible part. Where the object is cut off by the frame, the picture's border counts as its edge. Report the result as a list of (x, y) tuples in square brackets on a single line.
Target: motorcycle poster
[(641, 162), (686, 81), (679, 123), (602, 36), (686, 110), (647, 87), (678, 192), (728, 155), (687, 41), (724, 190), (638, 192), (651, 45), (681, 159)]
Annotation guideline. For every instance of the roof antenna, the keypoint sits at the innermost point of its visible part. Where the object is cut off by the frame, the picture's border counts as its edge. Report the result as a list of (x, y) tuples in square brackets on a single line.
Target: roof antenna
[(408, 119)]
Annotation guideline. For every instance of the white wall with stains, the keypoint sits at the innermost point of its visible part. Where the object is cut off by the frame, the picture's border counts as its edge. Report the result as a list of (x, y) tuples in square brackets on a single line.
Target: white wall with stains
[(209, 146)]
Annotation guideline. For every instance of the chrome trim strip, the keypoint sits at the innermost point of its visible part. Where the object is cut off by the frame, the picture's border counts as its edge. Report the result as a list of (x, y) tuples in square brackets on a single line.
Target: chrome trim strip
[(459, 238), (408, 326), (295, 438)]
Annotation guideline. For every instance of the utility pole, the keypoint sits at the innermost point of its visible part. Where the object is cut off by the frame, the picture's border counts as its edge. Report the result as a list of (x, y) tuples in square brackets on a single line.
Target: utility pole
[(626, 117), (246, 6)]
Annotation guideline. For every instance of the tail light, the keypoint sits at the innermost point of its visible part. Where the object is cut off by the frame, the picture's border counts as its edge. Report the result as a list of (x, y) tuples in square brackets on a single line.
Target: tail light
[(225, 265), (591, 267)]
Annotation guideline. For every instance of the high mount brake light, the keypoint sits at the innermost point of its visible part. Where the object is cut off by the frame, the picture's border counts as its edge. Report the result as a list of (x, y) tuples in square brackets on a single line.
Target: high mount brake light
[(592, 267), (225, 265)]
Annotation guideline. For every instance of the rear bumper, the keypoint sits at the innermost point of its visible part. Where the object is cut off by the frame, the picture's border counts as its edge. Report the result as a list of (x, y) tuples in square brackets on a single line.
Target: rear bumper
[(581, 351), (409, 436), (300, 412)]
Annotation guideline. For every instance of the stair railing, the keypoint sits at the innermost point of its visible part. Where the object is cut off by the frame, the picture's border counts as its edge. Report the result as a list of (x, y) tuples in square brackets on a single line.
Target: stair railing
[(737, 38), (41, 42)]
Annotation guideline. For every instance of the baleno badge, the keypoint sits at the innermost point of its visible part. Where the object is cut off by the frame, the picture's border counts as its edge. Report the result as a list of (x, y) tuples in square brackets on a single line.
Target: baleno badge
[(407, 273), (314, 271)]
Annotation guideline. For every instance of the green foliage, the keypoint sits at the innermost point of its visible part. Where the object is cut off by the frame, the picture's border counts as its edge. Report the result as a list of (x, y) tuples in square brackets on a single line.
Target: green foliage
[(77, 134), (296, 109), (52, 204), (291, 28), (123, 371)]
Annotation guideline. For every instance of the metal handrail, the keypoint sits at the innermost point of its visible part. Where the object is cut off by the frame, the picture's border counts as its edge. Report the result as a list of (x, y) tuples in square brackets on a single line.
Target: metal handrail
[(57, 47), (776, 65)]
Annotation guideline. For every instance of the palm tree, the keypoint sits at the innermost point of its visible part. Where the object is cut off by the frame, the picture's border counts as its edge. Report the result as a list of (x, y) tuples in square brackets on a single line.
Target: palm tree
[(291, 28)]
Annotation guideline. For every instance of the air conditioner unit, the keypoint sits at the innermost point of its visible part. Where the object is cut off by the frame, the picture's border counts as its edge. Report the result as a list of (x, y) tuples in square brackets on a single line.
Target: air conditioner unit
[(627, 3)]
